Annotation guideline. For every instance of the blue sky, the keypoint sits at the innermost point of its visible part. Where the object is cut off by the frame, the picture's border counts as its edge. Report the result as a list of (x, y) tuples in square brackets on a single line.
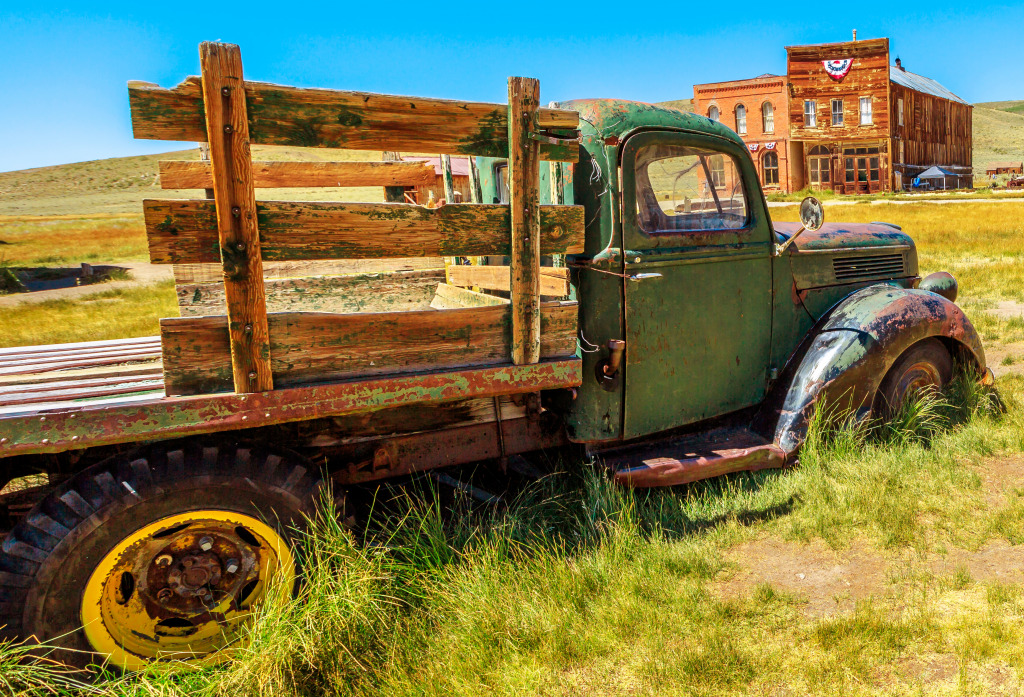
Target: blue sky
[(62, 84)]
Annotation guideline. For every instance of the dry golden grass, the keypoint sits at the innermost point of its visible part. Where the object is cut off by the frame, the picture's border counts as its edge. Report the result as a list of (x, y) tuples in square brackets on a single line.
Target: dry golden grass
[(70, 240), (117, 313)]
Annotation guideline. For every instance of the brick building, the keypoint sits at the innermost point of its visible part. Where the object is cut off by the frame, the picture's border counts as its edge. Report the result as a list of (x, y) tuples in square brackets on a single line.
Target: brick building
[(846, 119), (755, 109)]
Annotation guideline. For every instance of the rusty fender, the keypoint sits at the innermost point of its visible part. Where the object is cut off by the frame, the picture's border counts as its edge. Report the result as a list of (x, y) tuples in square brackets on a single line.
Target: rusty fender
[(856, 345)]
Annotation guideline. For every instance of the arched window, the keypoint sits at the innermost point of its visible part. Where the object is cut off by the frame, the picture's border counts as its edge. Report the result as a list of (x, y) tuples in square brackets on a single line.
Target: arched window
[(820, 150), (713, 113), (771, 168), (741, 119), (768, 117)]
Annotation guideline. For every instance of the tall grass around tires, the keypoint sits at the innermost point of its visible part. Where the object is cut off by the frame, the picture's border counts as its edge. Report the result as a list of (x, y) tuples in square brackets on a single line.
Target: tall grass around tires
[(582, 586)]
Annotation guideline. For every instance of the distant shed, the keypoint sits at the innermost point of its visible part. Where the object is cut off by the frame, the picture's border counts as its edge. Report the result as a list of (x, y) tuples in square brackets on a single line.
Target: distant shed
[(460, 180), (997, 168)]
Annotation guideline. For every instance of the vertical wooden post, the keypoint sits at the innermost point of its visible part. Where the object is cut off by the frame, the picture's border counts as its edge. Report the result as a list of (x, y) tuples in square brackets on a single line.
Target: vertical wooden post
[(227, 128), (475, 192), (449, 182), (524, 202)]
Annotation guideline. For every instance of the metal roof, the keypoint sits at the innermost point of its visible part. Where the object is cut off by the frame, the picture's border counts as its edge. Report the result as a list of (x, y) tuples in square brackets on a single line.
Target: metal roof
[(921, 83)]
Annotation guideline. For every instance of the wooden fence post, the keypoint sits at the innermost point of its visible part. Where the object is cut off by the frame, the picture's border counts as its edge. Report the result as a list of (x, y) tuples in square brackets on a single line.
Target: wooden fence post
[(446, 177), (524, 201), (227, 128)]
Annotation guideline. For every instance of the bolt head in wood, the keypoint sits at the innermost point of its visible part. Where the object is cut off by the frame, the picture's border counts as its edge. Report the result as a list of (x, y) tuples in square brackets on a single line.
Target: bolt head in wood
[(226, 91), (228, 129), (252, 375), (236, 211), (239, 246), (247, 329)]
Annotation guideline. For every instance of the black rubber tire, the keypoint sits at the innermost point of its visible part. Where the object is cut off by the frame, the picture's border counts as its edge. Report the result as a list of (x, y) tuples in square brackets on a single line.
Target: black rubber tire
[(48, 557), (927, 361)]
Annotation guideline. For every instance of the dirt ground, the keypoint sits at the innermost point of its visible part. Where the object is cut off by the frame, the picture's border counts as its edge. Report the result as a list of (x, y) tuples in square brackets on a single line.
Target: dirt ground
[(830, 582), (141, 274)]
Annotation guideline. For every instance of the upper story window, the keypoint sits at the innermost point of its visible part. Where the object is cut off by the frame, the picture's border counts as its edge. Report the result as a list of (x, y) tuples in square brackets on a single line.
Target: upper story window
[(741, 119), (899, 111), (771, 168), (683, 188), (837, 112), (768, 117), (810, 113), (713, 113), (865, 111)]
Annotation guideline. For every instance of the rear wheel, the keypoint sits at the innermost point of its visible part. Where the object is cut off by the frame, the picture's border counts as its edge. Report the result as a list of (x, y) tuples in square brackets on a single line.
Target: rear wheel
[(160, 558), (925, 366)]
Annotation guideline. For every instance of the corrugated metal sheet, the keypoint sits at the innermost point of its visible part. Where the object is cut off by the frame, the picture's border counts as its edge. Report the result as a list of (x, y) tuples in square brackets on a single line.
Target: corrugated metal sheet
[(921, 84)]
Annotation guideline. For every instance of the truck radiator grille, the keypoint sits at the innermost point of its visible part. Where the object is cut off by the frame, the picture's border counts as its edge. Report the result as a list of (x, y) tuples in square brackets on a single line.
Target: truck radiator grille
[(850, 269)]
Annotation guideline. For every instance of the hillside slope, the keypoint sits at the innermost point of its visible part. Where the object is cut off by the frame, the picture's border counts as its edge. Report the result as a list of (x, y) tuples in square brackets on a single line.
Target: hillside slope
[(119, 184)]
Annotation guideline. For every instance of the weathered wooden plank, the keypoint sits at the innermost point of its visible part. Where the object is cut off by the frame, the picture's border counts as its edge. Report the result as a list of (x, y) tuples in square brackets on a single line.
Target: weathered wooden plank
[(47, 386), (524, 197), (446, 177), (554, 282), (135, 369), (185, 231), (321, 347), (159, 418), (387, 292), (280, 115), (72, 362), (239, 242), (81, 392), (196, 174), (450, 297), (213, 273)]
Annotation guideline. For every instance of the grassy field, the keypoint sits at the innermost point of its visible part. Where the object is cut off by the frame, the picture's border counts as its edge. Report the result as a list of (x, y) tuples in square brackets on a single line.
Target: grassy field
[(581, 588)]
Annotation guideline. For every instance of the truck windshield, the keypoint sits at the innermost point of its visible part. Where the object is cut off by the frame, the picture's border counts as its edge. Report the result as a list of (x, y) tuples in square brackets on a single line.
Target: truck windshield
[(681, 188)]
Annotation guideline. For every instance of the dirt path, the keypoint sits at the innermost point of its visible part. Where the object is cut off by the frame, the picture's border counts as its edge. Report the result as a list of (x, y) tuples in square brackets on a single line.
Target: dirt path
[(142, 273), (830, 582), (899, 202)]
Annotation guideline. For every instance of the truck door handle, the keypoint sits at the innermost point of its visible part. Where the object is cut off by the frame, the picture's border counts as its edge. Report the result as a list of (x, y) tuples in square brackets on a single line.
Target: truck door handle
[(643, 276)]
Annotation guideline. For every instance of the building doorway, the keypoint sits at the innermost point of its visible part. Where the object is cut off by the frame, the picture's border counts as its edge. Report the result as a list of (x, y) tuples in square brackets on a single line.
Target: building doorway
[(863, 175), (819, 168)]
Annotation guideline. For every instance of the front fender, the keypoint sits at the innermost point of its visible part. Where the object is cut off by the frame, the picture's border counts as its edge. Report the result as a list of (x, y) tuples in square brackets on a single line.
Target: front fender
[(856, 344)]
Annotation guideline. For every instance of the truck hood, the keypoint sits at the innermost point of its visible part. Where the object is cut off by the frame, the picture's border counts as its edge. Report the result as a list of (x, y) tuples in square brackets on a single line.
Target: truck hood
[(849, 253), (841, 236)]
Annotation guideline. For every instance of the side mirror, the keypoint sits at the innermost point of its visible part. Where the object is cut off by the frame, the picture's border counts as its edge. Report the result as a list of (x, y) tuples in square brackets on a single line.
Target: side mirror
[(812, 217)]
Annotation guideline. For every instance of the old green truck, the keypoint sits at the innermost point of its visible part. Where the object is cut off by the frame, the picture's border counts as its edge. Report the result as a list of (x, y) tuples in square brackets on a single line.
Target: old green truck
[(629, 296)]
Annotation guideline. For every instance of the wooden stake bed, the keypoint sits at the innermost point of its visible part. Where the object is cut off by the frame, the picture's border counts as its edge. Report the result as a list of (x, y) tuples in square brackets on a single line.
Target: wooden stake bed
[(247, 367)]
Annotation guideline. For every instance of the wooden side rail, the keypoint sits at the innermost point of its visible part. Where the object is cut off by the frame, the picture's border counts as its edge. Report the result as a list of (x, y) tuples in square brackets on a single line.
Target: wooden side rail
[(308, 347), (554, 282), (195, 174), (185, 231), (304, 117), (250, 351)]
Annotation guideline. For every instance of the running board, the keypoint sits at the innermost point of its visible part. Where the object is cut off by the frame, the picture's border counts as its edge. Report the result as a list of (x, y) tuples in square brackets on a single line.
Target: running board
[(693, 458)]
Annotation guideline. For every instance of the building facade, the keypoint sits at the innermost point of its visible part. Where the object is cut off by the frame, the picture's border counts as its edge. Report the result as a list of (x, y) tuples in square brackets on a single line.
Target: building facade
[(756, 110), (854, 123)]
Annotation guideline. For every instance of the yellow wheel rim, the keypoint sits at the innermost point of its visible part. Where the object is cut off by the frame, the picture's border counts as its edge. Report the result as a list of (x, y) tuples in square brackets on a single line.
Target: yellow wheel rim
[(182, 588)]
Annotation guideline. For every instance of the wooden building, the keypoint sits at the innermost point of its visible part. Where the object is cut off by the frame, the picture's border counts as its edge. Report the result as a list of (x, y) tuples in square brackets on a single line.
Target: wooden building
[(997, 168), (423, 193), (854, 123)]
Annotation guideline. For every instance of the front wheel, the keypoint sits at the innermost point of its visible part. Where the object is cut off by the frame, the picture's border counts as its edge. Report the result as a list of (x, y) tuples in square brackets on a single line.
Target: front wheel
[(925, 366), (160, 558)]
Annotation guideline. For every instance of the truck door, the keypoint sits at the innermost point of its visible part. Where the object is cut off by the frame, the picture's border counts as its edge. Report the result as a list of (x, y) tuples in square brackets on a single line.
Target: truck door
[(698, 279)]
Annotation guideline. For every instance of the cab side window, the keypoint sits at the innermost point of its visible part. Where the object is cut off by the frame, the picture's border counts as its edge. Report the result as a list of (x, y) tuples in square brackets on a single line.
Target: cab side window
[(682, 189)]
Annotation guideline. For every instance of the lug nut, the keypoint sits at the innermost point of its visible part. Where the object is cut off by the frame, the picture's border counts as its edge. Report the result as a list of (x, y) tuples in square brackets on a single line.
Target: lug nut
[(206, 544), (164, 560), (231, 566)]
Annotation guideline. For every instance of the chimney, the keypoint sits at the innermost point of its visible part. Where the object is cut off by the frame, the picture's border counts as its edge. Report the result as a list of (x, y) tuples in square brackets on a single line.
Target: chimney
[(854, 34), (899, 64)]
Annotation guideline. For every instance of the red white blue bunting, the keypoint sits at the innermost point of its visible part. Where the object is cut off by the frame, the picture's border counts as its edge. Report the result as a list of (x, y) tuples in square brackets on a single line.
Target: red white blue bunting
[(752, 147), (769, 146), (838, 69)]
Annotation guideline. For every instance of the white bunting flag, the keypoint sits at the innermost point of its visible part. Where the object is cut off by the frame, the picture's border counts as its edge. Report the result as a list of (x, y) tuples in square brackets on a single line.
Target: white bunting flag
[(837, 69)]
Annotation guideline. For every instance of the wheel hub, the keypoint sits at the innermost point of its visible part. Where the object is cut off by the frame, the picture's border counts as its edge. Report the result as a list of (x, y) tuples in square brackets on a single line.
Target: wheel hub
[(181, 588)]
